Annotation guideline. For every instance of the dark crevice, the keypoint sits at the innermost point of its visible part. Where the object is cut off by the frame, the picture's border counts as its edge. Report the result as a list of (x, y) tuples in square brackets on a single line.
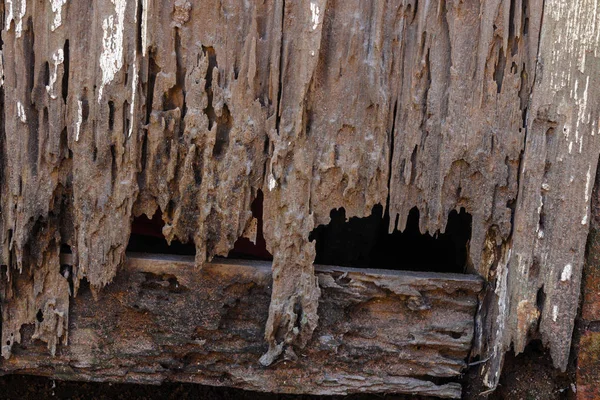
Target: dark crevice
[(308, 120), (141, 177), (46, 77), (174, 98), (413, 165), (534, 270), (366, 243), (29, 116), (29, 55), (436, 380), (147, 237), (140, 14), (197, 167), (542, 217), (126, 120), (180, 79), (63, 144), (281, 65), (298, 312), (85, 109), (111, 115), (3, 257), (39, 316), (236, 71), (499, 70), (208, 86), (524, 17), (224, 125), (65, 77), (511, 204), (540, 299), (45, 125), (243, 247), (512, 40), (524, 93), (416, 10), (391, 157), (427, 88), (266, 146), (113, 163), (153, 70)]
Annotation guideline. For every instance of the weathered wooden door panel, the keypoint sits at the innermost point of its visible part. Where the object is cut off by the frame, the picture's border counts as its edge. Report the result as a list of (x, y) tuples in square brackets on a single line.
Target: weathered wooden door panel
[(163, 319)]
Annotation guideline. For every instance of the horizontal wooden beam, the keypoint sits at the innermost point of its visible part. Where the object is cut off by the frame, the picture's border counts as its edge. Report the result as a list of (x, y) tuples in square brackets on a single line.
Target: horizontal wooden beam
[(163, 319)]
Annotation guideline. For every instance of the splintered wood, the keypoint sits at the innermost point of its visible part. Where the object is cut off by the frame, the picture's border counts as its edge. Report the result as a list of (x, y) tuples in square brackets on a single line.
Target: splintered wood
[(117, 108)]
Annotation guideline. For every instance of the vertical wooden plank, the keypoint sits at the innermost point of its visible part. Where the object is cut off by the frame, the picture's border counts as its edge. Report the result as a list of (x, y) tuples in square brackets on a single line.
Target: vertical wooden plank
[(539, 284)]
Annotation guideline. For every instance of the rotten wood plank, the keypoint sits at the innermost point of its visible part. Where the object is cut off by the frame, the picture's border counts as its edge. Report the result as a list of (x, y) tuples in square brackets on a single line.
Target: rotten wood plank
[(540, 267), (163, 319)]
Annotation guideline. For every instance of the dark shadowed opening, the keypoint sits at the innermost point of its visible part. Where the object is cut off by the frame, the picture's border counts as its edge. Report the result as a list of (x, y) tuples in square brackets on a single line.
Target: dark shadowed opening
[(243, 247), (147, 237), (366, 243)]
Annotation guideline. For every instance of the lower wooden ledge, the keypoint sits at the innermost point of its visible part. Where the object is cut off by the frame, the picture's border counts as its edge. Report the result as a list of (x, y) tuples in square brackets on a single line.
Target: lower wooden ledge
[(162, 319)]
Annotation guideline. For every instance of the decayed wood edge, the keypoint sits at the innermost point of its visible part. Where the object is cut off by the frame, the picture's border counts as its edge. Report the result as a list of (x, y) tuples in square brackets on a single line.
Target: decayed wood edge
[(288, 46), (385, 282), (558, 166), (156, 262)]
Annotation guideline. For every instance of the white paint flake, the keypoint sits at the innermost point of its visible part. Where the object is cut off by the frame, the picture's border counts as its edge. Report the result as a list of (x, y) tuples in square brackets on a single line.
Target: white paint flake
[(79, 119), (18, 17), (566, 273), (57, 58), (554, 313), (57, 10), (144, 26), (315, 13), (272, 182), (21, 112), (134, 83), (588, 178), (111, 59), (586, 195)]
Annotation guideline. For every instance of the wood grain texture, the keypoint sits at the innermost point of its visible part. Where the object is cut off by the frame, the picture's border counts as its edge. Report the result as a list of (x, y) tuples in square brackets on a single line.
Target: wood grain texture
[(539, 279), (117, 108), (164, 320)]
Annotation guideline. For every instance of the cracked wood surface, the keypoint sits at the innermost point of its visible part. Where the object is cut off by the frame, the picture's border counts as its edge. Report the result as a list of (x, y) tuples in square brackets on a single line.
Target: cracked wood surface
[(115, 108), (163, 320)]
